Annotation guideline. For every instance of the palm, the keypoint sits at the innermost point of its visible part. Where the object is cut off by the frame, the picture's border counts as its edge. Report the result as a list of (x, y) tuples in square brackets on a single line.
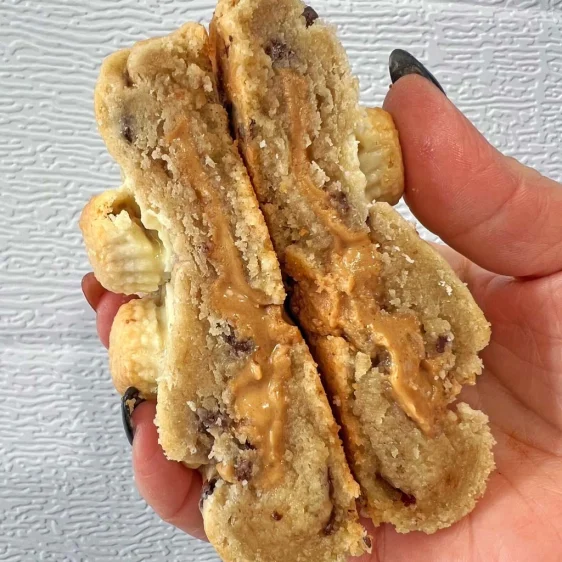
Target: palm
[(521, 391)]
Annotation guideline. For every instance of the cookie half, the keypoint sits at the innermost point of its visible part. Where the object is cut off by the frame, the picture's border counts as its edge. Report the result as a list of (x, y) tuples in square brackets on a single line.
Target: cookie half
[(396, 334), (238, 394)]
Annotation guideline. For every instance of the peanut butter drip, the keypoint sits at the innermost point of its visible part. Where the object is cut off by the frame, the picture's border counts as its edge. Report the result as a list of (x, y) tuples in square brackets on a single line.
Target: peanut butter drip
[(295, 88), (340, 299), (259, 390)]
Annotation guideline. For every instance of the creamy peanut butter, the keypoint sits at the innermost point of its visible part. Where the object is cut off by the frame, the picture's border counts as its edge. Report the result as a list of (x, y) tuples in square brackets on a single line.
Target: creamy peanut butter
[(295, 88), (259, 390), (412, 387), (341, 299)]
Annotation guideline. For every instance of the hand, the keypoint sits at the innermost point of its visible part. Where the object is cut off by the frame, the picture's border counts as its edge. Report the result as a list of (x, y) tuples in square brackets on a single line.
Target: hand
[(504, 222)]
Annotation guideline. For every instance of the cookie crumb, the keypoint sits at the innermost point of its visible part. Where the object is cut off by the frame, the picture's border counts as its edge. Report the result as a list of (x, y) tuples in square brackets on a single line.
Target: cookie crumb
[(207, 84), (447, 288)]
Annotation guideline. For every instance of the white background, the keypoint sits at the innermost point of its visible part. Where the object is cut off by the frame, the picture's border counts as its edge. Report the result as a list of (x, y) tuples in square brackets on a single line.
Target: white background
[(66, 491)]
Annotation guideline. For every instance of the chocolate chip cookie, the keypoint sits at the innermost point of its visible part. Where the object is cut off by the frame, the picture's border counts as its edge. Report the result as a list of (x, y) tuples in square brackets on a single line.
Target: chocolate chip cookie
[(396, 334), (238, 394)]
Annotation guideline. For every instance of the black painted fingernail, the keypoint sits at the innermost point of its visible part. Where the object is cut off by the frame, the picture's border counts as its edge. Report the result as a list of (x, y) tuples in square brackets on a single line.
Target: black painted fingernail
[(402, 63), (130, 400)]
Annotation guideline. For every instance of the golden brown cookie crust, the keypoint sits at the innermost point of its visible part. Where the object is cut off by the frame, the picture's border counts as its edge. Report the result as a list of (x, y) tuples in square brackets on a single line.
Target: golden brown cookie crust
[(209, 335)]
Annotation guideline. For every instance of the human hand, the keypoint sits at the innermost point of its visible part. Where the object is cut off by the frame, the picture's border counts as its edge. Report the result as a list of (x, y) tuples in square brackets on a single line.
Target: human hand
[(504, 221)]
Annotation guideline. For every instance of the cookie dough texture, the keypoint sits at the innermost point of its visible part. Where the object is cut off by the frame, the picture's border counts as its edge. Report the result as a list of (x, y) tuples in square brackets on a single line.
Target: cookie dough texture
[(395, 333), (239, 396)]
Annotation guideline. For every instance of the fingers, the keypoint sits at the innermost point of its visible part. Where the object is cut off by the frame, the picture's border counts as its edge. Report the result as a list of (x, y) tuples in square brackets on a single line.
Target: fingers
[(503, 216), (526, 348), (105, 304), (107, 309), (171, 489)]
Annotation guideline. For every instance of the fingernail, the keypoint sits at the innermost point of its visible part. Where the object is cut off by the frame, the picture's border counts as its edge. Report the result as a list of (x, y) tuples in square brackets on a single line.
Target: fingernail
[(402, 63), (130, 400)]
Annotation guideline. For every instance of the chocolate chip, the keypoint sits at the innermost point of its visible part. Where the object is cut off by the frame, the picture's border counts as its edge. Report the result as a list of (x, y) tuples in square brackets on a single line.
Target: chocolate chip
[(208, 489), (330, 527), (279, 53), (276, 516), (252, 128), (247, 446), (383, 361), (207, 419), (441, 344), (243, 470), (127, 128), (310, 16), (407, 500), (240, 347), (339, 200), (368, 542)]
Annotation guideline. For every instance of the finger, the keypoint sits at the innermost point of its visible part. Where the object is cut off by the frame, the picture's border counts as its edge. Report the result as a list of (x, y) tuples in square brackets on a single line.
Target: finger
[(107, 308), (525, 352), (92, 289), (503, 216), (171, 489)]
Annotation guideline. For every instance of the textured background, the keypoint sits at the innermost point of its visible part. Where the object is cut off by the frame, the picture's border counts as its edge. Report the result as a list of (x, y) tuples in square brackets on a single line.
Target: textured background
[(66, 490)]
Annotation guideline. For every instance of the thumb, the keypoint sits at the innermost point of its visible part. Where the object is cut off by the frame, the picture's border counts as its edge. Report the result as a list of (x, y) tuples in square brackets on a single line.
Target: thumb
[(500, 214)]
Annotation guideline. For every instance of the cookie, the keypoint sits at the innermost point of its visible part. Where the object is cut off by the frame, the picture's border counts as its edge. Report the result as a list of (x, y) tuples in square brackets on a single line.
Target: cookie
[(396, 334), (238, 394)]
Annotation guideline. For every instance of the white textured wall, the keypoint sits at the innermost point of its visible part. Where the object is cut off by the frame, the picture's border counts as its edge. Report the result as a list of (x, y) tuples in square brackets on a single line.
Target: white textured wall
[(66, 491)]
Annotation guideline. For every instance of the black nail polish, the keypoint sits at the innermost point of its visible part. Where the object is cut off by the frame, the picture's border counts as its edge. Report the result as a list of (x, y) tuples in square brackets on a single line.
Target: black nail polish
[(130, 400), (402, 63)]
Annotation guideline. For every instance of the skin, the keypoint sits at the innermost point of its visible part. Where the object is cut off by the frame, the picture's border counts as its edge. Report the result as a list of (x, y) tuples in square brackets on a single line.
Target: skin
[(502, 222)]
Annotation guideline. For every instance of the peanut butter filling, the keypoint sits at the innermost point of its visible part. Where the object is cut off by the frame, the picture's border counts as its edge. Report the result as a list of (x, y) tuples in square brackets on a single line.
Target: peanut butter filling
[(259, 391), (341, 299)]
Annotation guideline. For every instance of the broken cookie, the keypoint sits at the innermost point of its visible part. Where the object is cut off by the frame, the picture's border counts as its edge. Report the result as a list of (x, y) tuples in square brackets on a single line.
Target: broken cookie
[(238, 394), (395, 333)]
